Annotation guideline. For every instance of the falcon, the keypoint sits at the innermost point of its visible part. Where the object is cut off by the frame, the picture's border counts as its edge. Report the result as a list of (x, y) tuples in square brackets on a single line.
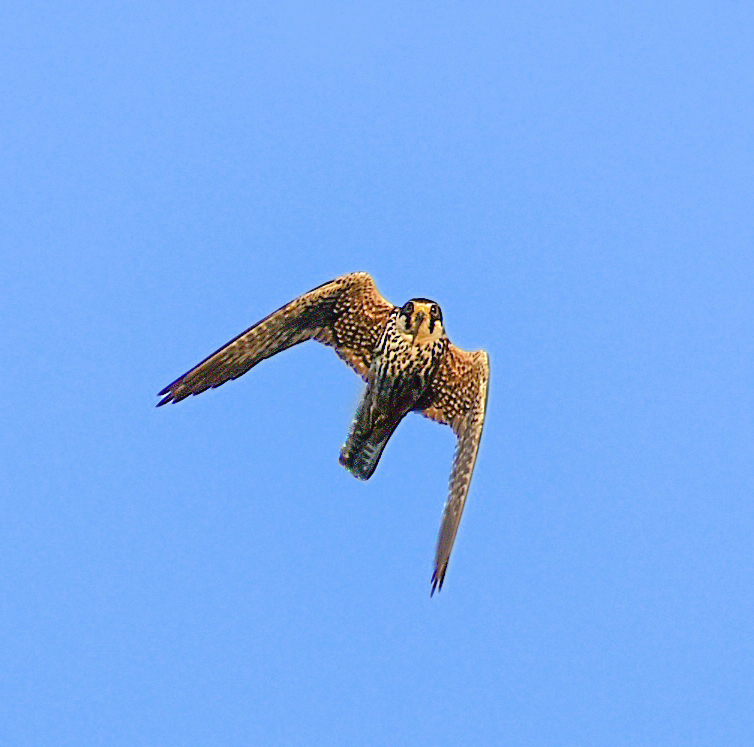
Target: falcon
[(406, 359)]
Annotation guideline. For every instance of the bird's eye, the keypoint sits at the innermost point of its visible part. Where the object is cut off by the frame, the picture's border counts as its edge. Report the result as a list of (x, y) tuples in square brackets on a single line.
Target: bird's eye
[(435, 311), (408, 309)]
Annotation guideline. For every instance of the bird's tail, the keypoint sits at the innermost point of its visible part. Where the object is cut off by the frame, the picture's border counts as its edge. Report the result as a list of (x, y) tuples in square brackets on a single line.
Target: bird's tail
[(366, 442)]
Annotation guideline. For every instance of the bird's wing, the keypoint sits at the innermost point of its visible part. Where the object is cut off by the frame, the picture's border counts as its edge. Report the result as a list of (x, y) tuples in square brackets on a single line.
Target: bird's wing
[(347, 313), (459, 400)]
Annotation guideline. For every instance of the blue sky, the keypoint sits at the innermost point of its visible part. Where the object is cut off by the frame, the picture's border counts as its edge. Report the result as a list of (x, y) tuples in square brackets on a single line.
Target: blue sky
[(573, 182)]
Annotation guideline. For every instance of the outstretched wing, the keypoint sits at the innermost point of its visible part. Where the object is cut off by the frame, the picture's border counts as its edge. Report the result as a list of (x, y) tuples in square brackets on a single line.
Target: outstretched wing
[(347, 313), (459, 400)]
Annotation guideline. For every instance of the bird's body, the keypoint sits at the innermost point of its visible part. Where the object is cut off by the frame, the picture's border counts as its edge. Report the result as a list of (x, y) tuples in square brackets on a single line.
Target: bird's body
[(405, 357), (398, 381)]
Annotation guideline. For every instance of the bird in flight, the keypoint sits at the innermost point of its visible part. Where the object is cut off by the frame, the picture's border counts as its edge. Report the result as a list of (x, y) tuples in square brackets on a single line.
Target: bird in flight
[(406, 359)]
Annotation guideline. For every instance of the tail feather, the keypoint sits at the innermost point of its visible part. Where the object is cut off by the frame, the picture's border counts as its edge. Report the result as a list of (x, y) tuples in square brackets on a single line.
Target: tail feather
[(364, 446), (385, 403), (361, 461)]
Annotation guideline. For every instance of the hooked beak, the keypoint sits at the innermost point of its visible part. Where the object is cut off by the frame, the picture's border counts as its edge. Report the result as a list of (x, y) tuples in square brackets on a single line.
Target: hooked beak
[(419, 320)]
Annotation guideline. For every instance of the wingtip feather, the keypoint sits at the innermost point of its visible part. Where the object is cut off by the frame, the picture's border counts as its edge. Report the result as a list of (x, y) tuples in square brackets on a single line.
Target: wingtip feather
[(438, 577)]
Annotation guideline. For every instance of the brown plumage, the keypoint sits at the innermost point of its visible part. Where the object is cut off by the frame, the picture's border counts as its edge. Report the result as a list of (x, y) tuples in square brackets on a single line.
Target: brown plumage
[(406, 359)]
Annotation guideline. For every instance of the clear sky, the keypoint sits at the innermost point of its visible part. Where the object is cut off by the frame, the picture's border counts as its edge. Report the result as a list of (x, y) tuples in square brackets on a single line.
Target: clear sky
[(572, 181)]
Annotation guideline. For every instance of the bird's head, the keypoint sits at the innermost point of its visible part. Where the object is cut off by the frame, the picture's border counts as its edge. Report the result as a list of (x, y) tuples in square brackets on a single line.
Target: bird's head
[(421, 320)]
